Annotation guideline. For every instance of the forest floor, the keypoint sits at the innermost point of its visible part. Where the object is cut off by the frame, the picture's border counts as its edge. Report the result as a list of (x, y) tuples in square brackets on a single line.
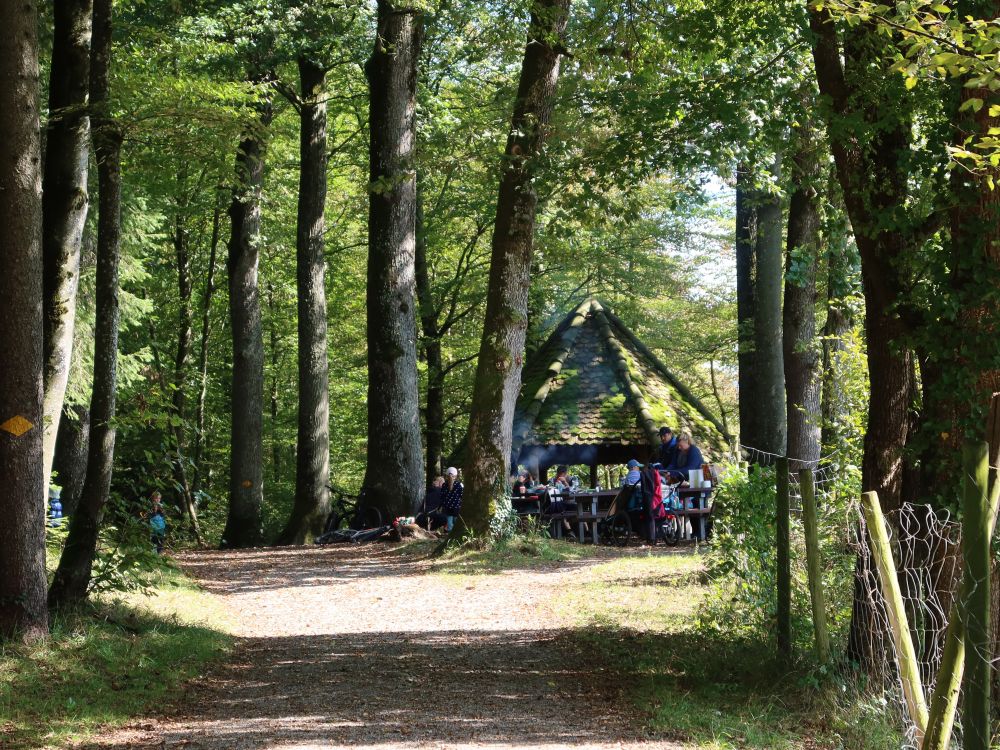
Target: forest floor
[(377, 647)]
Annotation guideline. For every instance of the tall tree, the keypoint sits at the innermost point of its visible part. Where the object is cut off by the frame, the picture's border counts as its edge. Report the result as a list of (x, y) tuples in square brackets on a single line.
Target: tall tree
[(72, 577), (869, 125), (22, 534), (70, 462), (394, 466), (501, 350), (800, 348), (312, 468), (246, 474), (64, 199), (758, 279)]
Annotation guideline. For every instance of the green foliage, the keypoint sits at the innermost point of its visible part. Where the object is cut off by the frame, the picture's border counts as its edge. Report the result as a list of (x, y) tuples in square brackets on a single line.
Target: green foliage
[(106, 664), (742, 562)]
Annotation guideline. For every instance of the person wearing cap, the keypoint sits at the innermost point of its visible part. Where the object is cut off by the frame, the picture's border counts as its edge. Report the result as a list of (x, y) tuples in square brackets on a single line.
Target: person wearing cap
[(668, 447), (451, 497), (634, 475)]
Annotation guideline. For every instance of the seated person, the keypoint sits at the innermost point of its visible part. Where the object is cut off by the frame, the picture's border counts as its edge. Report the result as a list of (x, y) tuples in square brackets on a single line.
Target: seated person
[(668, 447), (524, 483), (429, 517), (634, 475), (688, 458), (561, 482)]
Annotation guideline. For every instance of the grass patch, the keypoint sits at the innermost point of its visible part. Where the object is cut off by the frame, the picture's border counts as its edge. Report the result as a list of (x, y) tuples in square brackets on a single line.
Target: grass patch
[(108, 662), (711, 689)]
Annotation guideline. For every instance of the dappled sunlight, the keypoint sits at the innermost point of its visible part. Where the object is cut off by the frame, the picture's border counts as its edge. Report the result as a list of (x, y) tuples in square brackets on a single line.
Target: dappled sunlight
[(402, 657)]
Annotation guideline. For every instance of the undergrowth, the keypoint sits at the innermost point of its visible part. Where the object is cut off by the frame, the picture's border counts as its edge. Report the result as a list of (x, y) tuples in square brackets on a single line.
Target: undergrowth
[(108, 662)]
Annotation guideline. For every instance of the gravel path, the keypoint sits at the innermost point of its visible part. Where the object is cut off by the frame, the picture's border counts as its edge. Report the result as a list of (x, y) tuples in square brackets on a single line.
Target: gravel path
[(358, 647)]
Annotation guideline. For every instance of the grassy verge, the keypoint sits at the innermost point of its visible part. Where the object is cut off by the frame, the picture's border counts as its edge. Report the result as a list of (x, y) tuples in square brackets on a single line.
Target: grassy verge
[(707, 688), (108, 663)]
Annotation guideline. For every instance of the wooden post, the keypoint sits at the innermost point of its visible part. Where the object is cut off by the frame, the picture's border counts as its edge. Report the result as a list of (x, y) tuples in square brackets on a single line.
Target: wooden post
[(814, 565), (909, 671), (784, 573), (976, 551), (593, 475), (944, 703)]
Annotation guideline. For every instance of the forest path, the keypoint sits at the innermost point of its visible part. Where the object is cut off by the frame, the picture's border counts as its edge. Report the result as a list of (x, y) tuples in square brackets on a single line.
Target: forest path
[(362, 647)]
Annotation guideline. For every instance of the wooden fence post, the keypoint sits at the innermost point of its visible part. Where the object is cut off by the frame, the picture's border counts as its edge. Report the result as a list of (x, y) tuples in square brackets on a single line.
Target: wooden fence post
[(909, 670), (784, 572), (976, 551), (814, 565)]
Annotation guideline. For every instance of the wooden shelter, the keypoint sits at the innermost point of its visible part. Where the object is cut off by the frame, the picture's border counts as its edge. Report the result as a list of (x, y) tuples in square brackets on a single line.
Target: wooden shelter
[(594, 394)]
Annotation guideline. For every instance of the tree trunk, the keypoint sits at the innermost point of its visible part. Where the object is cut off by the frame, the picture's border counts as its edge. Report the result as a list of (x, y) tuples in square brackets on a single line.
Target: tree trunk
[(501, 350), (72, 577), (312, 467), (206, 330), (871, 167), (70, 462), (839, 322), (22, 534), (64, 200), (272, 335), (800, 348), (434, 411), (246, 476), (393, 476), (185, 339), (746, 303), (758, 278)]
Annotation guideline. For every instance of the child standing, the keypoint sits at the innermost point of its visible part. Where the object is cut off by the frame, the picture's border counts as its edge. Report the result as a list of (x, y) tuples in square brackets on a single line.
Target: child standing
[(157, 523)]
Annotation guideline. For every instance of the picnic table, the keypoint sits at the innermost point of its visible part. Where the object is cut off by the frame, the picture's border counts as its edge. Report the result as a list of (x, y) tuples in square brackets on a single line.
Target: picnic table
[(592, 506)]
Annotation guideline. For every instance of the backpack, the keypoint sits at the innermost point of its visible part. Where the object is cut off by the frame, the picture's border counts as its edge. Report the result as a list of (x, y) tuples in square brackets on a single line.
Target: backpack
[(653, 493), (158, 523)]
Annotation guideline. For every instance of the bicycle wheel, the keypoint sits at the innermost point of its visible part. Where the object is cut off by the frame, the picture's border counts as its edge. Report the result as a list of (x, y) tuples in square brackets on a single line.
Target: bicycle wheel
[(366, 517), (620, 529), (670, 531)]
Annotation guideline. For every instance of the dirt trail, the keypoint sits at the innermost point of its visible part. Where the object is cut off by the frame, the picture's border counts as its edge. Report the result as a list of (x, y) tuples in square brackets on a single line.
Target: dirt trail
[(359, 648)]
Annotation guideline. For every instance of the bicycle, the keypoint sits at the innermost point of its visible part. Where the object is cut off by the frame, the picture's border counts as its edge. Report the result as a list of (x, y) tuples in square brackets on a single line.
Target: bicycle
[(351, 512)]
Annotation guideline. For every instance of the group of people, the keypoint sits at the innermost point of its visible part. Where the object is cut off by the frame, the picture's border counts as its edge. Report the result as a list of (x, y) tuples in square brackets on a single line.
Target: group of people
[(676, 455), (443, 502)]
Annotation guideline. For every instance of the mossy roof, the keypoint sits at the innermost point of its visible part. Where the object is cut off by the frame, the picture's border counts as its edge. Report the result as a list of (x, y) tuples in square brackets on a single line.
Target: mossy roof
[(594, 383)]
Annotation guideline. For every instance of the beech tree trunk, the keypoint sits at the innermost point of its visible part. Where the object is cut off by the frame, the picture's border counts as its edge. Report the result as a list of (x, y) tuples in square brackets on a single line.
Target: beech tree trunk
[(206, 330), (431, 341), (312, 467), (800, 348), (70, 462), (72, 577), (22, 534), (185, 340), (758, 278), (501, 350), (64, 200), (393, 476), (839, 322), (246, 474), (871, 169)]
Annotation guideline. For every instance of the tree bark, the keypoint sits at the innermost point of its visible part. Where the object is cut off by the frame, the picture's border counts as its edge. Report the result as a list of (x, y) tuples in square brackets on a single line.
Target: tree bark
[(393, 476), (185, 339), (800, 348), (746, 302), (70, 462), (246, 476), (64, 200), (431, 342), (72, 577), (839, 322), (206, 330), (312, 468), (871, 167), (501, 350), (758, 278), (22, 534)]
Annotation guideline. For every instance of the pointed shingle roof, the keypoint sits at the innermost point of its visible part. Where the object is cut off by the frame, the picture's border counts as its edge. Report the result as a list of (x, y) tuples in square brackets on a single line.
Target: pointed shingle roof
[(594, 383)]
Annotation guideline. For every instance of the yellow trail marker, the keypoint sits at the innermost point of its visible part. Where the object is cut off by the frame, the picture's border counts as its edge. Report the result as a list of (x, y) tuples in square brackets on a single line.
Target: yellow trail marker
[(16, 426)]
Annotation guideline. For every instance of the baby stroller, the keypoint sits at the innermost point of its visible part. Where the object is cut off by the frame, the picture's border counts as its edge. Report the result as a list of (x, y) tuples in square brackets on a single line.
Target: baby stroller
[(638, 510)]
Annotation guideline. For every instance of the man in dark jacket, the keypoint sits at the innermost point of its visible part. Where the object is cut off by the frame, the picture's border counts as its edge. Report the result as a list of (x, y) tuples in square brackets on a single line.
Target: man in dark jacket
[(668, 447)]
